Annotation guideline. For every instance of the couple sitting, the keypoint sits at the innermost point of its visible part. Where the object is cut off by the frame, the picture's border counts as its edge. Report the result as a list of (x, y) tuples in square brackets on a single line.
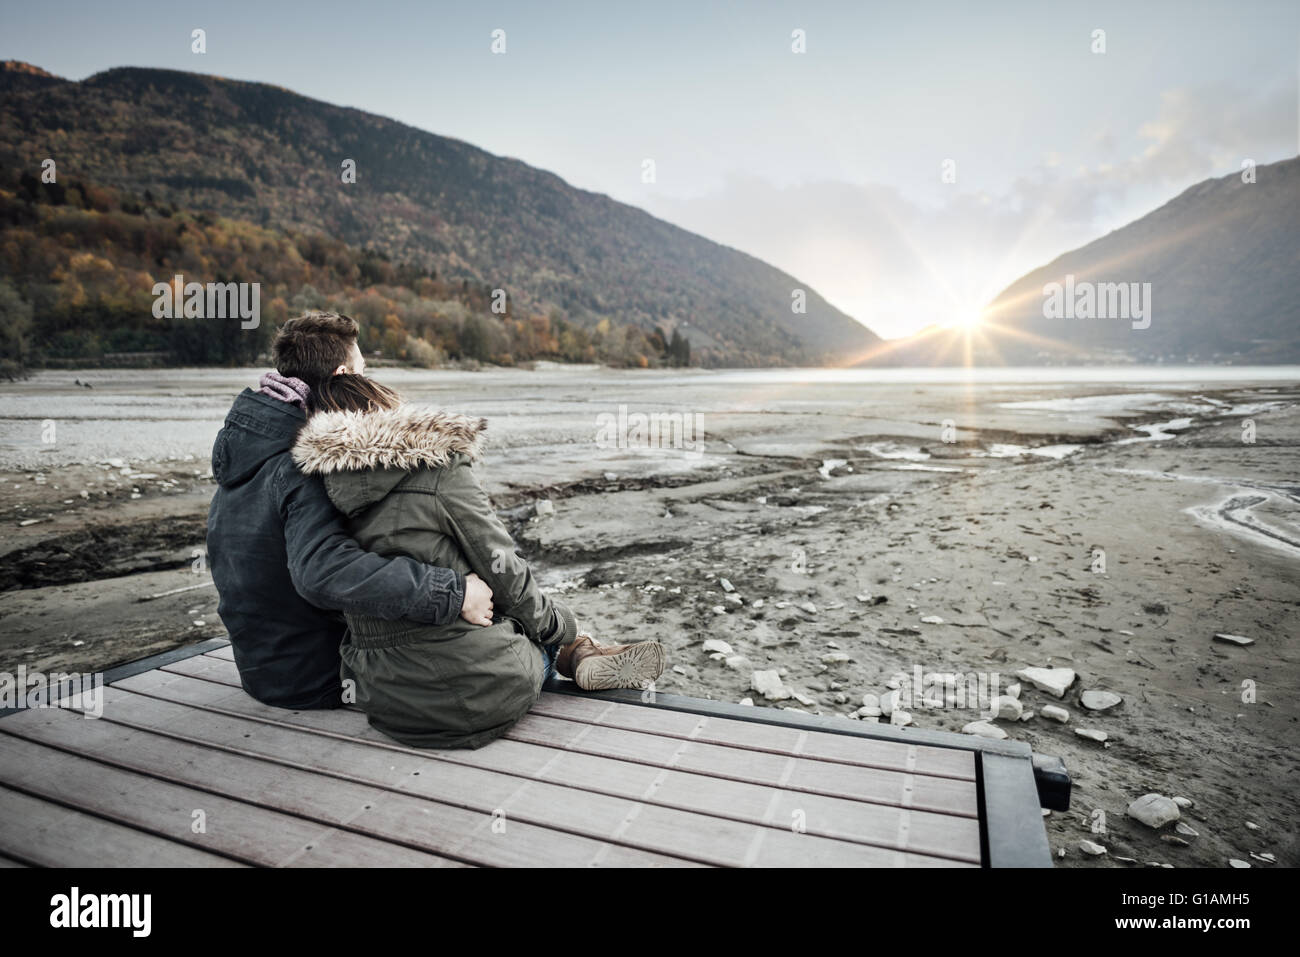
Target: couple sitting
[(335, 496)]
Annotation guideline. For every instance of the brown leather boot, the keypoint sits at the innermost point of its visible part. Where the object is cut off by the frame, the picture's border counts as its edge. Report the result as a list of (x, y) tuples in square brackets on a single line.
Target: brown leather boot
[(597, 667)]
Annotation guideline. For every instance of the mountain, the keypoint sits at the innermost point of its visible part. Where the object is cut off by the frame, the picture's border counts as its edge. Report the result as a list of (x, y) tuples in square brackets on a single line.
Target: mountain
[(273, 158), (1220, 259)]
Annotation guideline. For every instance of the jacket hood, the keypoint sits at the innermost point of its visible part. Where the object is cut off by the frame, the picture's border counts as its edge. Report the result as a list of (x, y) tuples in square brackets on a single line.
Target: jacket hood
[(404, 439), (256, 428)]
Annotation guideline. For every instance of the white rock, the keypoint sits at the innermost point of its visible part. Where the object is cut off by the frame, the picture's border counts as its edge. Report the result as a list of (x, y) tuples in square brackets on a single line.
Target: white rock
[(1091, 849), (1055, 681), (984, 729), (726, 585), (1266, 858), (1013, 689), (865, 596), (719, 610), (718, 645), (544, 507), (1183, 802), (900, 719), (870, 700), (1233, 862), (1185, 829), (1099, 700), (769, 685), (1252, 826), (836, 658), (679, 669), (1091, 734), (803, 699), (1007, 708), (739, 663), (931, 620), (747, 702), (1234, 639), (1153, 810), (889, 701), (1028, 715), (1055, 713), (808, 607)]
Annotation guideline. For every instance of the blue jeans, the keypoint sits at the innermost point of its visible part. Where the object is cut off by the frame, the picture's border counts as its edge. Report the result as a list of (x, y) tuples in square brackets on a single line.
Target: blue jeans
[(548, 659)]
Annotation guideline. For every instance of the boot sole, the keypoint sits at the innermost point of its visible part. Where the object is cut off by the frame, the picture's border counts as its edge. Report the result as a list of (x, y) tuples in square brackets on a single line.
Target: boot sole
[(636, 667)]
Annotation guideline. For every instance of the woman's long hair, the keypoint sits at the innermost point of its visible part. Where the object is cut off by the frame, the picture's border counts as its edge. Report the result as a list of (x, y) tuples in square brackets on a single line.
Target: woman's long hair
[(352, 393)]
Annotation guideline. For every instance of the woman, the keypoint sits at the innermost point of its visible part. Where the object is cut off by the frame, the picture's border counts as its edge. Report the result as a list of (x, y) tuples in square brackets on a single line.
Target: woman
[(403, 476)]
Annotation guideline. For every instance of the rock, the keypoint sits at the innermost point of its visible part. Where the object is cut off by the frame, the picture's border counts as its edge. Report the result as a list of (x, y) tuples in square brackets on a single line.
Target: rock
[(747, 702), (1183, 802), (870, 700), (1091, 734), (900, 719), (803, 699), (1173, 839), (739, 663), (1266, 858), (1055, 713), (1091, 849), (717, 656), (1055, 681), (1234, 639), (1028, 715), (1233, 862), (808, 607), (1013, 689), (769, 685), (841, 698), (1099, 700), (984, 729), (726, 585), (1153, 810), (679, 669), (718, 645), (544, 507), (1007, 708), (719, 610), (931, 620), (1252, 826), (1124, 860), (1185, 829), (611, 476), (889, 701), (836, 658)]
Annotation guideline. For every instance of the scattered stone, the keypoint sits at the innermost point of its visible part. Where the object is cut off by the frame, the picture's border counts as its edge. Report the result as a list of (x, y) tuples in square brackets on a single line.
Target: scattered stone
[(808, 607), (1013, 689), (1091, 849), (747, 702), (1055, 681), (29, 521), (803, 699), (1007, 708), (1091, 734), (739, 663), (1028, 715), (1153, 810), (1124, 860), (1233, 862), (717, 656), (1099, 700), (1185, 829), (984, 729), (544, 507), (931, 620), (1172, 839), (900, 719), (889, 701), (1250, 825), (769, 685), (1266, 858), (679, 669), (1234, 639), (870, 700), (718, 645), (1183, 802), (1055, 713), (726, 585), (836, 658)]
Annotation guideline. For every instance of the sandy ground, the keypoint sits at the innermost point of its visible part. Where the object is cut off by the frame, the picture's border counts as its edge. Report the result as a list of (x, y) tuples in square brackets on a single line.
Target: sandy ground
[(864, 529)]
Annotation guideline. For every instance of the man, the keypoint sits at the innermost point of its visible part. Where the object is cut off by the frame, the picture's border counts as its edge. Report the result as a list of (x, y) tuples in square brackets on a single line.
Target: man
[(280, 557)]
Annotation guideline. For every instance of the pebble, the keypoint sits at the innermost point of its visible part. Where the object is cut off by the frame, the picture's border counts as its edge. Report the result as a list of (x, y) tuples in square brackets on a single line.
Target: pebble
[(803, 699), (1153, 810), (717, 644), (748, 702), (1013, 689), (1186, 829), (726, 585), (1028, 715), (1266, 858), (1055, 681), (932, 620), (1099, 700), (1091, 734), (984, 730), (1091, 849), (679, 669), (769, 685), (1233, 862), (740, 663), (544, 507), (836, 658), (900, 719), (1183, 802), (1234, 639), (808, 607), (1055, 713), (1007, 708)]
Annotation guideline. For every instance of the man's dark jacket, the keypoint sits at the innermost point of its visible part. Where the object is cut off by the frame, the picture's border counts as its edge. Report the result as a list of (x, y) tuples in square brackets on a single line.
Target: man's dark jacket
[(283, 563)]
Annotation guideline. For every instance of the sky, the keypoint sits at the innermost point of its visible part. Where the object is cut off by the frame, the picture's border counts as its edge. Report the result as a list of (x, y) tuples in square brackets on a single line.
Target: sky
[(828, 163)]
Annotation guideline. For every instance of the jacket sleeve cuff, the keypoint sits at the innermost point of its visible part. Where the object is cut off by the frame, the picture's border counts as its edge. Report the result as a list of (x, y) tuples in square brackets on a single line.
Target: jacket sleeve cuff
[(568, 627)]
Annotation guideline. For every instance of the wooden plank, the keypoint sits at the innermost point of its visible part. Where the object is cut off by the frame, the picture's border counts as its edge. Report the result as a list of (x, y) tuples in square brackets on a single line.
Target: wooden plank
[(42, 834), (1015, 833), (651, 828), (842, 749), (907, 790), (929, 833), (453, 832), (243, 831)]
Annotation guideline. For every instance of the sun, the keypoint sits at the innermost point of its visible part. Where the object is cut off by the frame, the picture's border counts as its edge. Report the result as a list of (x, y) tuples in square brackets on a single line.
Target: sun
[(968, 319)]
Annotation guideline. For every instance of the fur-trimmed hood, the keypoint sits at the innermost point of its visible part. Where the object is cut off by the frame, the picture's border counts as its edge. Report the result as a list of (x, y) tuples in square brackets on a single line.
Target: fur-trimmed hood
[(404, 438)]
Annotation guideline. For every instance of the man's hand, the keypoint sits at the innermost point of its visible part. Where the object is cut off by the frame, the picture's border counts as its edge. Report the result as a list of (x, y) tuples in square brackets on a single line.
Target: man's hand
[(477, 607)]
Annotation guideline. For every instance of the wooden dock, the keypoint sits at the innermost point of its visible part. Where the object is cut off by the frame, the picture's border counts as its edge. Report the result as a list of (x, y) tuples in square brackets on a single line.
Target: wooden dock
[(185, 769)]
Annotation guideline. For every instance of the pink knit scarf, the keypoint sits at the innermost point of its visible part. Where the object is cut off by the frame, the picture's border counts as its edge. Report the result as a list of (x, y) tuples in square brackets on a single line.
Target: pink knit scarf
[(285, 388)]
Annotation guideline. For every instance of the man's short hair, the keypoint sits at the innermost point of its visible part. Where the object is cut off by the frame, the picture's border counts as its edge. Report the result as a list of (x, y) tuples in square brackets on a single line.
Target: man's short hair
[(313, 345)]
